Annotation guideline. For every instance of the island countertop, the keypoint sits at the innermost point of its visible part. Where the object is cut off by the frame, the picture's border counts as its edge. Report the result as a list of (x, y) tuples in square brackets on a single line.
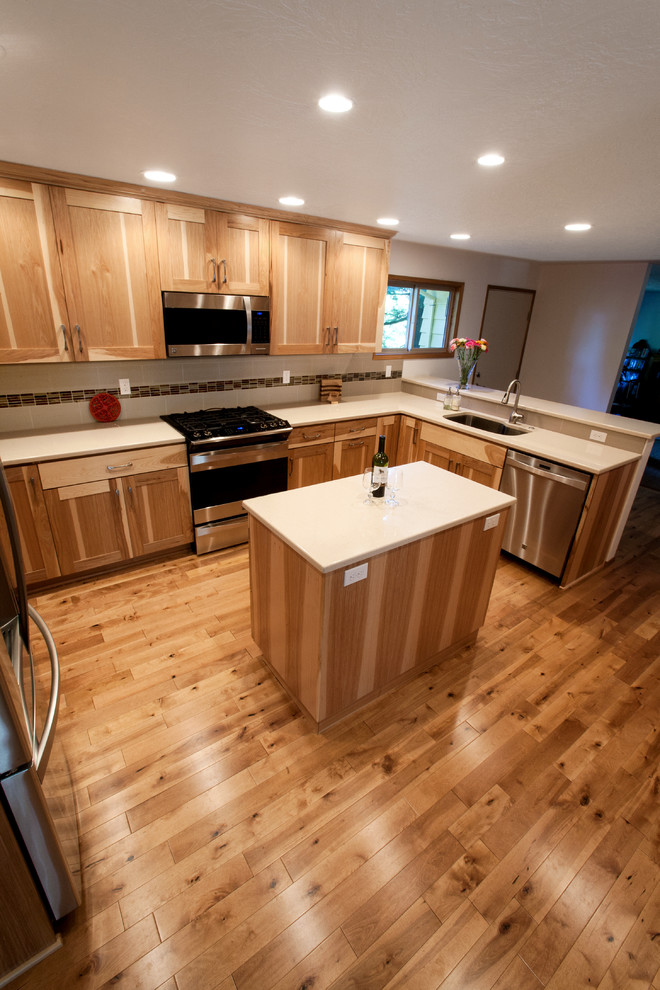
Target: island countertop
[(331, 527)]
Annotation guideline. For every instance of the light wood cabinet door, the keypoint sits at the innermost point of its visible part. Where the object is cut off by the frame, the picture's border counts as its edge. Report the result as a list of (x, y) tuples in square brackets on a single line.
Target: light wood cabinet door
[(88, 524), (310, 464), (300, 316), (408, 445), (109, 260), (462, 453), (359, 287), (208, 251), (158, 508), (353, 456), (33, 313), (388, 426), (39, 554)]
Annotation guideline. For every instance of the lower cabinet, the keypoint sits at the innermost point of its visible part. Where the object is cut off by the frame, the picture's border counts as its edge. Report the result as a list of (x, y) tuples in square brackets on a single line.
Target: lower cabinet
[(142, 508), (461, 453), (408, 440), (333, 450), (39, 554)]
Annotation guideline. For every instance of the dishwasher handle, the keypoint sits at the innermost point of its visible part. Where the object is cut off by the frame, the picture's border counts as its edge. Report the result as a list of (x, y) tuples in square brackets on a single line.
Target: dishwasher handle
[(579, 483)]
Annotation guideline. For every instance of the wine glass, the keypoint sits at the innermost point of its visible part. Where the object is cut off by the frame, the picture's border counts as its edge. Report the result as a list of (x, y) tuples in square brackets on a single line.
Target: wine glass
[(369, 485), (394, 483)]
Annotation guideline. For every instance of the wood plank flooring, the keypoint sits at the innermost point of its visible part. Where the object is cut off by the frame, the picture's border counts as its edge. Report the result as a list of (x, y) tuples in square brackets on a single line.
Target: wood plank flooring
[(493, 824)]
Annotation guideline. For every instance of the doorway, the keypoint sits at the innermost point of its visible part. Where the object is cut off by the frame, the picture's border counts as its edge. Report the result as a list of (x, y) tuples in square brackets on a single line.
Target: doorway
[(504, 324)]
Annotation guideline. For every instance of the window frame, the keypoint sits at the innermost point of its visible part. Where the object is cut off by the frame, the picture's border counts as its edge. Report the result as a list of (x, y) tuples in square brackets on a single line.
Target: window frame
[(456, 289)]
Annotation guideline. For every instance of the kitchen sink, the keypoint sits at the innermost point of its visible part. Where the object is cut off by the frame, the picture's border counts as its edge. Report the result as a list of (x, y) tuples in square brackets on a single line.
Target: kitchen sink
[(482, 423)]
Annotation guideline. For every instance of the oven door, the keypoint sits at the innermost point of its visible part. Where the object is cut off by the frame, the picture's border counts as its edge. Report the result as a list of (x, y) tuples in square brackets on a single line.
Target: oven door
[(219, 482)]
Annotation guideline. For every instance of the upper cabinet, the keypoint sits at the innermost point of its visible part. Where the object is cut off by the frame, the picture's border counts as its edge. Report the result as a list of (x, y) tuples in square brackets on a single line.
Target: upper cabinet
[(80, 276), (109, 264), (33, 314), (327, 289), (208, 251)]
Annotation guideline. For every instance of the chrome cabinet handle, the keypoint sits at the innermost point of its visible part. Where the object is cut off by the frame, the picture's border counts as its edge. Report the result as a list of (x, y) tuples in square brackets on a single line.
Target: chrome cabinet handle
[(414, 439), (309, 436), (118, 467), (215, 278), (356, 443), (224, 269), (329, 333), (80, 347), (63, 329), (336, 335), (356, 429)]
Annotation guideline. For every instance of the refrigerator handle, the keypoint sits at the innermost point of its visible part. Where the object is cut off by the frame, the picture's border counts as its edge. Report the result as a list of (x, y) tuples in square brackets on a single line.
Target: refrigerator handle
[(45, 742)]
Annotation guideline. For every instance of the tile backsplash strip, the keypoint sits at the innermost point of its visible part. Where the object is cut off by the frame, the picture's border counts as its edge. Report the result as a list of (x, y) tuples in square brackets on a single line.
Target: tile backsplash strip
[(48, 395)]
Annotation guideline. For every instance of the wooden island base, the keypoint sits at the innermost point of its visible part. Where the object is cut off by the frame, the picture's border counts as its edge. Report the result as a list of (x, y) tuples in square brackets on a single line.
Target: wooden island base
[(335, 648)]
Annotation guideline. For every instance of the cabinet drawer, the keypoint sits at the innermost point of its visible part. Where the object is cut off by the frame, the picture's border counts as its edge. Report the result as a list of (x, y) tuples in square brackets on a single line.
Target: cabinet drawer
[(463, 443), (100, 467), (311, 434), (353, 428)]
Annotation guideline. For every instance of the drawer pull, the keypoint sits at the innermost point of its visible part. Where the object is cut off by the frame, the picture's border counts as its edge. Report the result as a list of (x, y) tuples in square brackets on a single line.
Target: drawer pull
[(310, 436), (80, 346), (356, 443), (63, 329), (118, 467), (356, 429)]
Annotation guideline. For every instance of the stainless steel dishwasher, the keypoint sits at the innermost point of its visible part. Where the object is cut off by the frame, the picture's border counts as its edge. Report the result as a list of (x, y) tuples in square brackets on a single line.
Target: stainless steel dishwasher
[(549, 501)]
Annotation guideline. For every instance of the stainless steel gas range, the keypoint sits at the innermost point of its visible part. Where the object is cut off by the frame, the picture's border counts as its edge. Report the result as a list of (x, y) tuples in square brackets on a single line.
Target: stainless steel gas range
[(233, 454)]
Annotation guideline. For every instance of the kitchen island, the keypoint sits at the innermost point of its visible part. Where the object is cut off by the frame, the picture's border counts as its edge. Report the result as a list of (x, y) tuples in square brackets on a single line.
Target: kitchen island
[(350, 599)]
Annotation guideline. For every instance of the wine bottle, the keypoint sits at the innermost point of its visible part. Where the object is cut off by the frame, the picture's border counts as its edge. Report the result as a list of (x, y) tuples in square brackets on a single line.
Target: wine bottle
[(379, 463)]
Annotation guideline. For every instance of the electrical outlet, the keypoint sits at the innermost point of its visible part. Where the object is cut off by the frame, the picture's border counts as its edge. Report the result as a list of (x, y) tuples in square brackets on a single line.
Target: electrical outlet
[(286, 377), (388, 370), (490, 522), (124, 386), (354, 574), (598, 435)]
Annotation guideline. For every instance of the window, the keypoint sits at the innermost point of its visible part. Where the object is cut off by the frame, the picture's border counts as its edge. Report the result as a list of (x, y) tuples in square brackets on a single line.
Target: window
[(421, 316)]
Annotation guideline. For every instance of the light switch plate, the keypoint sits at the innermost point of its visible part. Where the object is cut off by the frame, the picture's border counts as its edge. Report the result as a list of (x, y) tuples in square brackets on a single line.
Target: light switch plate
[(286, 377), (124, 386), (388, 370), (354, 574), (598, 435), (490, 522)]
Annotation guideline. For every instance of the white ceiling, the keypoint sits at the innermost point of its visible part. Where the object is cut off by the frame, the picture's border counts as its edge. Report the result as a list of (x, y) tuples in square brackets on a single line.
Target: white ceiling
[(224, 93)]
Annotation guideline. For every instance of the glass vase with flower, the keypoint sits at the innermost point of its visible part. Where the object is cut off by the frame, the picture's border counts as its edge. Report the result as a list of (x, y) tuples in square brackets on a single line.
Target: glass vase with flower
[(467, 351)]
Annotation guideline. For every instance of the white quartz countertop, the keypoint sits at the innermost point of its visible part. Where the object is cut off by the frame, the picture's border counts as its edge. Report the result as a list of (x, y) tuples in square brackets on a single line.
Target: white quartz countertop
[(331, 527), (586, 455), (560, 410), (98, 438), (76, 441)]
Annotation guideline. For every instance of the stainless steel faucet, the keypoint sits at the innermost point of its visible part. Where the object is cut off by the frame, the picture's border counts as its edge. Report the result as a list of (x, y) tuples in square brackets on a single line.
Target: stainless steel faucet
[(515, 416)]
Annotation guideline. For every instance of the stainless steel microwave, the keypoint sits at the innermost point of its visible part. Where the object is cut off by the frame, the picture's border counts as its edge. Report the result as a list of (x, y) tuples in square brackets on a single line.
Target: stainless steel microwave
[(199, 324)]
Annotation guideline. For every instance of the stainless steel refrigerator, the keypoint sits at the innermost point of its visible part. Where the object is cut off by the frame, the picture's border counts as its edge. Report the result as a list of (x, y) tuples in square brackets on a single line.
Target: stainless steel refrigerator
[(39, 858)]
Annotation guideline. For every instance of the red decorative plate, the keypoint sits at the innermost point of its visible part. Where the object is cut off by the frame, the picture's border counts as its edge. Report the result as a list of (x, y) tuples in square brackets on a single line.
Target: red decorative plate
[(105, 407)]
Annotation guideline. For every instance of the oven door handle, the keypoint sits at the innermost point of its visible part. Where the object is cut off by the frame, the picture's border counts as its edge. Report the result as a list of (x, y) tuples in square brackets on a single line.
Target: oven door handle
[(211, 460)]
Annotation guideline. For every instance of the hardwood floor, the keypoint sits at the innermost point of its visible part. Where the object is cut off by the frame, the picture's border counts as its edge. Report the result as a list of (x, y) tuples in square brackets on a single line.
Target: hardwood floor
[(494, 824)]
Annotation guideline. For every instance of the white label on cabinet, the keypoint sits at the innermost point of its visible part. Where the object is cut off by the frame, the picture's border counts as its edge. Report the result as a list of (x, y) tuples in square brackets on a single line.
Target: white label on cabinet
[(490, 522), (354, 574)]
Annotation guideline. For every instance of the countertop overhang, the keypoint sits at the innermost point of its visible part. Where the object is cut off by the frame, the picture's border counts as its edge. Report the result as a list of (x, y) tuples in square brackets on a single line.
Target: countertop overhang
[(331, 527)]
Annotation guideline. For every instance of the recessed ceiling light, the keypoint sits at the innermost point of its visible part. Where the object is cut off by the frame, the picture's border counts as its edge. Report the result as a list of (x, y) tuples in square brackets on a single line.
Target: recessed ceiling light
[(291, 201), (460, 237), (335, 103), (491, 159), (577, 226), (388, 221), (156, 175)]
